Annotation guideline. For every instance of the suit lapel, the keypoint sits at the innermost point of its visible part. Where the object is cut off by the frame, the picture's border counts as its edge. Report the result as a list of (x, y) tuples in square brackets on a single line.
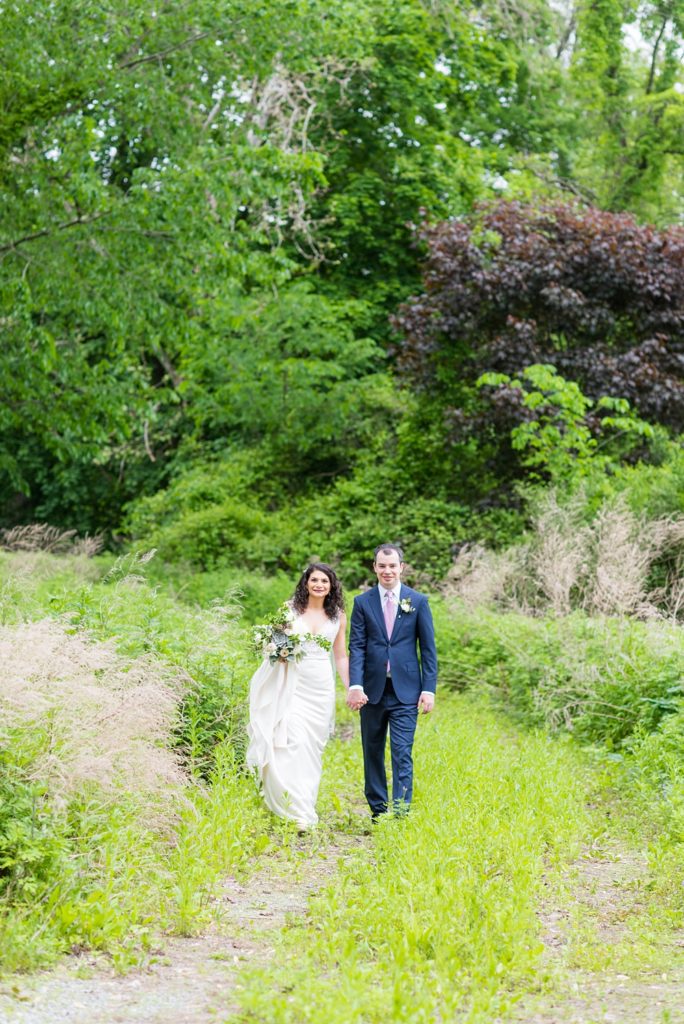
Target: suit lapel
[(376, 607), (401, 615)]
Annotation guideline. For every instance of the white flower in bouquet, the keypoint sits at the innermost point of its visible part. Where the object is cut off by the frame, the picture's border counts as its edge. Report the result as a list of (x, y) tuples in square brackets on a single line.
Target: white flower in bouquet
[(274, 639)]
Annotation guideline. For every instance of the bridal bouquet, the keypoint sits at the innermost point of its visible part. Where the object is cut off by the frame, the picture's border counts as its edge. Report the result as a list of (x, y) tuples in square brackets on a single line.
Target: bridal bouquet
[(275, 640)]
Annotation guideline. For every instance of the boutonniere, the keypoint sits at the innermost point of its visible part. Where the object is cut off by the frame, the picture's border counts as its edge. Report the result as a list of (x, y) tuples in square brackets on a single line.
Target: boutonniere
[(406, 606)]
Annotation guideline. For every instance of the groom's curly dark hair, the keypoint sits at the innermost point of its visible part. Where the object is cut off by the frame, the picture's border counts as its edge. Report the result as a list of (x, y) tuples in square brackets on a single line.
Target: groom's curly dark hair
[(333, 604)]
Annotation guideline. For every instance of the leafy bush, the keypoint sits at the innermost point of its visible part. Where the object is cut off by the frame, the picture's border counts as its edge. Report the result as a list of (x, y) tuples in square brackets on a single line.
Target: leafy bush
[(199, 483), (32, 844), (650, 489), (229, 532), (253, 592), (591, 292), (207, 520), (660, 753), (554, 435)]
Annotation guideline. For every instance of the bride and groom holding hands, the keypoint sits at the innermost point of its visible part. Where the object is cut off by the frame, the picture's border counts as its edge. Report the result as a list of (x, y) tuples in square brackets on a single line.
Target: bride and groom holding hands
[(292, 693)]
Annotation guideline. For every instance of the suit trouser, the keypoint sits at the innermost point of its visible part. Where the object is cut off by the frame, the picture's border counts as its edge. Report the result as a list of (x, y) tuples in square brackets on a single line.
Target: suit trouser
[(376, 719)]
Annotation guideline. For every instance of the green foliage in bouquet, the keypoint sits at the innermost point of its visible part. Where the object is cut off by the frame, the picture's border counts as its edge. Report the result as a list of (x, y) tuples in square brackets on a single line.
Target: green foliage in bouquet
[(275, 639)]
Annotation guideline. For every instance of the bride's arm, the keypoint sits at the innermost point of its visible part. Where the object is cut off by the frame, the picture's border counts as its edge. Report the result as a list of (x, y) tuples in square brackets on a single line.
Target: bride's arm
[(340, 652)]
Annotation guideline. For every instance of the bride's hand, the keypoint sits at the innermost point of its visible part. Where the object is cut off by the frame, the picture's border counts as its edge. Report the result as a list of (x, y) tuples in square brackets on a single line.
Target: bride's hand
[(356, 699)]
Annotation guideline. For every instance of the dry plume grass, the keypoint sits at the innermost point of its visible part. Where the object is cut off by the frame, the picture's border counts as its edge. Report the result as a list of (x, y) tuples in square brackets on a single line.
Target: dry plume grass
[(42, 537), (602, 567), (92, 718), (481, 577), (625, 549), (559, 556)]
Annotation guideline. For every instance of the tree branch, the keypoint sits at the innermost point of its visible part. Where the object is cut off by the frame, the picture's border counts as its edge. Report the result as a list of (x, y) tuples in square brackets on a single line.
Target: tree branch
[(174, 375), (568, 32), (146, 441), (8, 246), (162, 53), (656, 46)]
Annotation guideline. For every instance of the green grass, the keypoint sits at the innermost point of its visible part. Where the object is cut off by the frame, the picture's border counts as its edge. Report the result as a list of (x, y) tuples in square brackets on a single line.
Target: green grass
[(438, 919), (124, 878), (430, 917), (439, 916)]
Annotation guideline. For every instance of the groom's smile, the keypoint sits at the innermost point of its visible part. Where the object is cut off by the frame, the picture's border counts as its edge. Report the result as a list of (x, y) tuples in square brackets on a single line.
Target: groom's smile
[(388, 569)]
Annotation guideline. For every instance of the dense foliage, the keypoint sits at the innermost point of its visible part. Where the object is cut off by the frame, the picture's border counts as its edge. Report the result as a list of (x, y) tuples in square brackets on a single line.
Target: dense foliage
[(595, 293), (592, 293), (208, 215)]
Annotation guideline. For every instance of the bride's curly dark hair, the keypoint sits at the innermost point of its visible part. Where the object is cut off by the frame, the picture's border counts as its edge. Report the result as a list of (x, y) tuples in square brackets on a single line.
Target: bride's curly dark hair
[(333, 604)]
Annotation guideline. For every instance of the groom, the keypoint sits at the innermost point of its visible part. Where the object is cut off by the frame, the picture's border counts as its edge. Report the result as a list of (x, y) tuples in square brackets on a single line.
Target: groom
[(388, 684)]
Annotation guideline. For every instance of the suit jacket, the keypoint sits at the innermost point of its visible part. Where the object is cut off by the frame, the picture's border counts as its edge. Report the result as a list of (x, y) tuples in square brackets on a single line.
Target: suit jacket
[(370, 648)]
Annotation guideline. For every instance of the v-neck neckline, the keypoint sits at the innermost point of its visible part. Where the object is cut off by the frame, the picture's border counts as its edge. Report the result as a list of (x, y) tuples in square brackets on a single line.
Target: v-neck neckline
[(320, 631)]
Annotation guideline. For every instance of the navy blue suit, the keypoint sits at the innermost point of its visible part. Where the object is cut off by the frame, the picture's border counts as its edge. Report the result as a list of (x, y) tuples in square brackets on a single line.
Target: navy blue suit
[(394, 706)]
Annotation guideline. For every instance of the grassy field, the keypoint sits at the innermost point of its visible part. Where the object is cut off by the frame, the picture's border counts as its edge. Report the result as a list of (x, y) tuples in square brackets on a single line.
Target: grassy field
[(436, 917)]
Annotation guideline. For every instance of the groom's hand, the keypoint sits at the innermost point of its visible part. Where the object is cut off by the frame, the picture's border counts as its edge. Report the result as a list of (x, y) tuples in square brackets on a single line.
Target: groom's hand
[(356, 699), (426, 703)]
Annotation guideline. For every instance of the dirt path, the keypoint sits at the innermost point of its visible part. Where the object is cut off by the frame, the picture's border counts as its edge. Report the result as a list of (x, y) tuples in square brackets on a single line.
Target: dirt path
[(607, 891), (191, 980)]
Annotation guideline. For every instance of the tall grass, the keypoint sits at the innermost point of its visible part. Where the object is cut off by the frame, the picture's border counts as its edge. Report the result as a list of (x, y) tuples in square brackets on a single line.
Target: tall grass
[(95, 718), (112, 599), (604, 562), (122, 798)]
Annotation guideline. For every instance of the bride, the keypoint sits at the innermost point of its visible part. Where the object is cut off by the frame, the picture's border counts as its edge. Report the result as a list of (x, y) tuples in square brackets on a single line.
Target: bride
[(292, 703)]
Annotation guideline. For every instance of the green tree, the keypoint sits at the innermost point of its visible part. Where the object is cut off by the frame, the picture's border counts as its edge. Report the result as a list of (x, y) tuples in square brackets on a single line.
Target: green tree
[(633, 140), (136, 187)]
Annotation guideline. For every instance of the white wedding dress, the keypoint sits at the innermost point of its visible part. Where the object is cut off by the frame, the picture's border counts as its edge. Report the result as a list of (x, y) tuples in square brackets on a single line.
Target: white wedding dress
[(291, 716)]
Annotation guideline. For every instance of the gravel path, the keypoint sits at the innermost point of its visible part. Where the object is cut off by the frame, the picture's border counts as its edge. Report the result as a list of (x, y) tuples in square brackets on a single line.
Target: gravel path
[(609, 889), (191, 980)]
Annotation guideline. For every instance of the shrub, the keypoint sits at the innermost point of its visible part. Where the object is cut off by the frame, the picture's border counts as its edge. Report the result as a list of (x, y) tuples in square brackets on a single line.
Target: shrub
[(591, 292), (340, 526), (32, 844), (230, 532), (253, 592)]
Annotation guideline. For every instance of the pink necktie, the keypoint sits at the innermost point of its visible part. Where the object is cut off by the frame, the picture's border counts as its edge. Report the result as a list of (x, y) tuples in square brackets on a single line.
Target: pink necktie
[(390, 612), (390, 616)]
